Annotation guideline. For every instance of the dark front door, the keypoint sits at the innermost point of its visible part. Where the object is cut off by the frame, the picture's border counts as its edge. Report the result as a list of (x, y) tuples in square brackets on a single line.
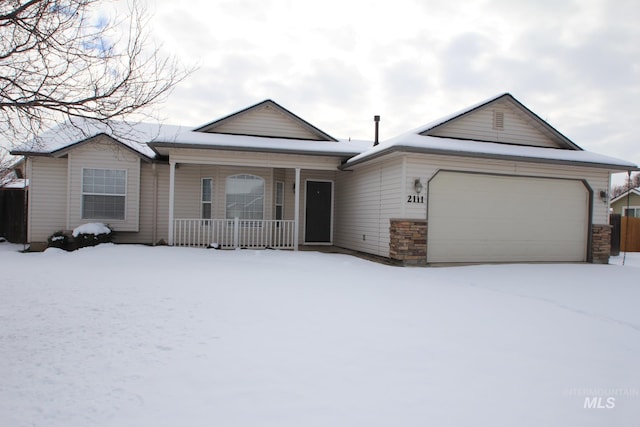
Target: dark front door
[(318, 216)]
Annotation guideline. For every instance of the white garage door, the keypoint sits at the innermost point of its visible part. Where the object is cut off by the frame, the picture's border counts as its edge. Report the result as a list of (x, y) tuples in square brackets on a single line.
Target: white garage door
[(495, 218)]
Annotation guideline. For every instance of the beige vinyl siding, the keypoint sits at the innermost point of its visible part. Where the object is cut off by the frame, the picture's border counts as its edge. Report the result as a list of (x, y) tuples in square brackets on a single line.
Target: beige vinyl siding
[(617, 207), (104, 154), (265, 160), (188, 187), (163, 203), (365, 200), (290, 193), (425, 166), (47, 197), (265, 121), (154, 206), (478, 125)]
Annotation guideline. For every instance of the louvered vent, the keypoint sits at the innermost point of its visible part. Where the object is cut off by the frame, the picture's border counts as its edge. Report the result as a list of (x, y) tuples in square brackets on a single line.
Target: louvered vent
[(498, 120)]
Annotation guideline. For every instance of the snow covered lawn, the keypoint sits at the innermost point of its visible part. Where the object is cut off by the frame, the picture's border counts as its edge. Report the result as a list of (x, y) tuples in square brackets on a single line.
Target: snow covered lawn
[(139, 336)]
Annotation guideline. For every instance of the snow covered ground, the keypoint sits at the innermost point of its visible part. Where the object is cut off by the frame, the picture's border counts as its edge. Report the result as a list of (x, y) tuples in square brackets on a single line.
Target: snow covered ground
[(139, 336)]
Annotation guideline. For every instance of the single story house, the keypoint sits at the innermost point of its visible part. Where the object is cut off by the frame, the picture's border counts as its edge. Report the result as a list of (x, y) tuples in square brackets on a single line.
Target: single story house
[(491, 183), (627, 203)]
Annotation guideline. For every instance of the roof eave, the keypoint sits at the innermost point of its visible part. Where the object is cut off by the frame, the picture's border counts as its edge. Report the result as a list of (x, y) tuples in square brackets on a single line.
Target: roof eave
[(510, 157), (157, 144), (624, 195), (61, 152)]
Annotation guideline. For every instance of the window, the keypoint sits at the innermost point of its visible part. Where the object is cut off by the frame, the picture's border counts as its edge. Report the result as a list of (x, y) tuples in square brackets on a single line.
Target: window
[(103, 193), (631, 211), (206, 197), (245, 197), (279, 200)]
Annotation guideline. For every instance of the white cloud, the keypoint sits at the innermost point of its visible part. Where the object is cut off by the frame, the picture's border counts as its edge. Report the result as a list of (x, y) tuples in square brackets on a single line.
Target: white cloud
[(337, 63)]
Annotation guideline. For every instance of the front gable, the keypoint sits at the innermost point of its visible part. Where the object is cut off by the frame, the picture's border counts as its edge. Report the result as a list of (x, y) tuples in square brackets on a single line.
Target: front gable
[(266, 119), (502, 120)]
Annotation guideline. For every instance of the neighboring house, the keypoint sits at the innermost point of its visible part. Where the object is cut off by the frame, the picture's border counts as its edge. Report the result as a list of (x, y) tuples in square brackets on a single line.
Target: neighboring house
[(492, 183), (627, 203)]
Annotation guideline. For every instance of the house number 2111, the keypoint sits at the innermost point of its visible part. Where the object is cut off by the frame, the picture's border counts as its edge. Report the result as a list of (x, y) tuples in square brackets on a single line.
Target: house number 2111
[(415, 199)]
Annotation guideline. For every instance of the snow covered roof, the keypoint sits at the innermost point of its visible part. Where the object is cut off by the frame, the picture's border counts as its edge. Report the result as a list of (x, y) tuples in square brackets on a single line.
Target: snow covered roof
[(154, 140), (177, 136), (16, 183), (151, 140), (412, 142), (59, 139), (419, 140)]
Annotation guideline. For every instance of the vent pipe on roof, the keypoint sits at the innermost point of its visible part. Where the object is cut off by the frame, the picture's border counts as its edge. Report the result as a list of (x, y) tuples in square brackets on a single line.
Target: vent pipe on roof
[(376, 119)]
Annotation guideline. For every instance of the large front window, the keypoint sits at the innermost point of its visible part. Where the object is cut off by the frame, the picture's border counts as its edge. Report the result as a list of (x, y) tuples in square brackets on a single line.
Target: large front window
[(103, 193), (245, 197)]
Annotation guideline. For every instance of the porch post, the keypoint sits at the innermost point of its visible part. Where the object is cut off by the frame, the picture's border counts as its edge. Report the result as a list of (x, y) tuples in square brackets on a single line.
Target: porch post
[(296, 230), (172, 184)]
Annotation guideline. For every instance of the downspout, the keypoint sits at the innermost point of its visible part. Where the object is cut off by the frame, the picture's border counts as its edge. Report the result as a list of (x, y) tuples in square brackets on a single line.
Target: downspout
[(27, 184)]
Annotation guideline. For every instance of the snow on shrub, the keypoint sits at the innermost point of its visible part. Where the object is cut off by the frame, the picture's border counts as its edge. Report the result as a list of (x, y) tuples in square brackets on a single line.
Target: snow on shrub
[(95, 228), (90, 234), (57, 240)]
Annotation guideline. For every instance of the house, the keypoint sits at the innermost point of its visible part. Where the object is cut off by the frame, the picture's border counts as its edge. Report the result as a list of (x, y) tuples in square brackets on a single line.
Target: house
[(491, 183), (627, 203)]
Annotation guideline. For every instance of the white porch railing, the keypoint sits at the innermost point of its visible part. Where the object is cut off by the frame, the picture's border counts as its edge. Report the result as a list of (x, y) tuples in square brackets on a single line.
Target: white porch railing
[(234, 233)]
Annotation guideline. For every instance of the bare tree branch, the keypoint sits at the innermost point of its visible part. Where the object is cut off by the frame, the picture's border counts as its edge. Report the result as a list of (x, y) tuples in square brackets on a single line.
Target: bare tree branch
[(58, 62)]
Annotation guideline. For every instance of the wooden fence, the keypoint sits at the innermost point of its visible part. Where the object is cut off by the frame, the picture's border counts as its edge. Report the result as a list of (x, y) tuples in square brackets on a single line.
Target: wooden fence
[(12, 215), (630, 234), (625, 234)]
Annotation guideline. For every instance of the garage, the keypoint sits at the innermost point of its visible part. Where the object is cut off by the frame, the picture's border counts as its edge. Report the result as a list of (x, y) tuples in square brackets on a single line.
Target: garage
[(475, 217)]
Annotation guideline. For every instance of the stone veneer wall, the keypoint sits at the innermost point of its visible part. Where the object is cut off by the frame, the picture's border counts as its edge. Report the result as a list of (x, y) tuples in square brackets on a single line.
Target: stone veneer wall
[(600, 243), (408, 243)]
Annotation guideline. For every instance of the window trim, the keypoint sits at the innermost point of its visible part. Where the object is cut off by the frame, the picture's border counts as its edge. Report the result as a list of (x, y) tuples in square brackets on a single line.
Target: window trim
[(625, 208), (202, 201), (125, 195), (275, 201)]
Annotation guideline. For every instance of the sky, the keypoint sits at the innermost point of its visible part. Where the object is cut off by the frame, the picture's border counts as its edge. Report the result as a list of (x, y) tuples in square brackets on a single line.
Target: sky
[(338, 63)]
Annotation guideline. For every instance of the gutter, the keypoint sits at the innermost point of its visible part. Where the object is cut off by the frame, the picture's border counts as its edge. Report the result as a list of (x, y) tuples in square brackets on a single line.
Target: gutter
[(419, 150), (153, 145)]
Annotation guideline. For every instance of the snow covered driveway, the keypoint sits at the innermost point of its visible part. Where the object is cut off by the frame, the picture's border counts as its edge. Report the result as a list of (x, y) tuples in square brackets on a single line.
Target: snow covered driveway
[(139, 336)]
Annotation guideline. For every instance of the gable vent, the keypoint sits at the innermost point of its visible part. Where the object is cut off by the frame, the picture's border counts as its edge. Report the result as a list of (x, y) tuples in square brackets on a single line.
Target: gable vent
[(498, 120)]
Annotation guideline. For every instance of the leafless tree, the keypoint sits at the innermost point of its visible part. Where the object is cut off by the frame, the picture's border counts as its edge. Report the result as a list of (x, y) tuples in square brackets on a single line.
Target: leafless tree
[(60, 60), (631, 182)]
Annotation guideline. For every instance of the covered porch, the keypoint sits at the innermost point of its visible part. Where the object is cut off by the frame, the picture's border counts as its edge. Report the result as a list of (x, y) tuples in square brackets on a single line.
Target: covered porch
[(232, 200)]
